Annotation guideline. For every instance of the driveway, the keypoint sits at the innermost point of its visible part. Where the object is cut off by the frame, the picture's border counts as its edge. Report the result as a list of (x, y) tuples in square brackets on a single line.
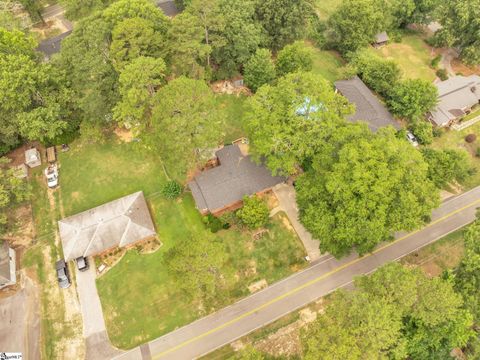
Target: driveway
[(288, 203), (94, 329), (263, 307), (20, 321)]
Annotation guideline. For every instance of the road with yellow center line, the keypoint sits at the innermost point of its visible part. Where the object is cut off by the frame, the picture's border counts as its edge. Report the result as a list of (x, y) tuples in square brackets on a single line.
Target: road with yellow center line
[(300, 289)]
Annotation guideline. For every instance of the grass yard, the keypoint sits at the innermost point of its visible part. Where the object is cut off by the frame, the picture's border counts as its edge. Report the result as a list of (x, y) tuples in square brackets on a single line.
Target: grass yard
[(413, 56), (140, 299), (453, 139), (327, 63), (234, 107)]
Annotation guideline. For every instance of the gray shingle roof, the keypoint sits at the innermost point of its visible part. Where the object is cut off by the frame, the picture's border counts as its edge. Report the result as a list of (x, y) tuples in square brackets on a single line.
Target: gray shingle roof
[(52, 46), (236, 176), (367, 107), (168, 7), (455, 95), (381, 37), (5, 274), (118, 223)]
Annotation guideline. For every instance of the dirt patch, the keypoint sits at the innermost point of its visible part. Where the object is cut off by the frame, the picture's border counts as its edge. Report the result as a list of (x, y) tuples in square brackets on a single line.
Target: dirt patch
[(460, 68), (228, 87), (287, 223), (270, 199), (124, 135), (256, 286), (148, 246), (251, 269), (17, 156), (20, 233), (284, 342)]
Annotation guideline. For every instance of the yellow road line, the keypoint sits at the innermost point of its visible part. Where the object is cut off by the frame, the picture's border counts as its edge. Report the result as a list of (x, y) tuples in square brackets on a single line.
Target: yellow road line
[(309, 283)]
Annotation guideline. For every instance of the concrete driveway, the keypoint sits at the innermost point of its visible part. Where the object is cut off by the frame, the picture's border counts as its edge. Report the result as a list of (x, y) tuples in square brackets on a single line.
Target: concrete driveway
[(288, 203), (20, 321), (94, 329)]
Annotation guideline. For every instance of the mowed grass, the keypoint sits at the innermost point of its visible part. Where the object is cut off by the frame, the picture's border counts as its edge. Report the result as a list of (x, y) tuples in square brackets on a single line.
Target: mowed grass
[(412, 55), (141, 301), (327, 63), (453, 139), (234, 108)]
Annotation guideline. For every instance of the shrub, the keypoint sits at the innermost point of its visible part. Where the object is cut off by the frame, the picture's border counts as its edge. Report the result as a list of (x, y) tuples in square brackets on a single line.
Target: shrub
[(254, 213), (436, 61), (171, 190), (213, 223), (438, 132), (477, 152), (259, 69), (423, 131), (470, 138), (445, 166), (294, 57), (442, 74)]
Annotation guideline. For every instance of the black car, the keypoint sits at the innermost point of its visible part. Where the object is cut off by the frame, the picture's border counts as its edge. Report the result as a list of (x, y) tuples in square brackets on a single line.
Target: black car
[(82, 263), (62, 274)]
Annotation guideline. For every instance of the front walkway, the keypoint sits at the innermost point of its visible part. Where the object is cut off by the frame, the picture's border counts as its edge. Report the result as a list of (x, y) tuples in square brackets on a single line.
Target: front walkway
[(94, 329), (287, 203)]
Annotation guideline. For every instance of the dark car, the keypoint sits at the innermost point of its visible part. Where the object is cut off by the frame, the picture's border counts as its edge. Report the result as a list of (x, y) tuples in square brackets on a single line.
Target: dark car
[(82, 263), (62, 274)]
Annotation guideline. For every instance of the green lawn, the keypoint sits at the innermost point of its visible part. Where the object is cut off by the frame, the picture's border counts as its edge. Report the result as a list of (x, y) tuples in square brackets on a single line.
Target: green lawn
[(234, 107), (327, 63), (453, 139), (413, 56), (140, 299), (475, 113)]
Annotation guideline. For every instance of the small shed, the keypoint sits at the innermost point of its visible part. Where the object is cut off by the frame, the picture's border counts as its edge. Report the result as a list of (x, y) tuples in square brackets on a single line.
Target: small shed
[(51, 154), (32, 158), (381, 39)]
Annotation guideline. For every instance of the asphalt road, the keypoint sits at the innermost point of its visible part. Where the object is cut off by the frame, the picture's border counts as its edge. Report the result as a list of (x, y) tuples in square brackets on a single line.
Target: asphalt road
[(300, 289)]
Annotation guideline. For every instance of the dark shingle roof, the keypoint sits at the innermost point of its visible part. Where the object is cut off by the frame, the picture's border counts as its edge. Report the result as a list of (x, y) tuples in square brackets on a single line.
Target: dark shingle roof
[(4, 263), (236, 176), (168, 7), (52, 46), (367, 107)]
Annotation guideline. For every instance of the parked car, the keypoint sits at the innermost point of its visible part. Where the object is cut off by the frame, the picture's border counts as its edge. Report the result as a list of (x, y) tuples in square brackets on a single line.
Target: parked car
[(412, 139), (51, 173), (62, 274), (82, 263)]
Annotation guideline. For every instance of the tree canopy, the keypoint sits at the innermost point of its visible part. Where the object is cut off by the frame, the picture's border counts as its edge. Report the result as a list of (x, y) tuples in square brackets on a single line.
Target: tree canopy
[(363, 187), (259, 69), (446, 166), (254, 213), (286, 122), (293, 58)]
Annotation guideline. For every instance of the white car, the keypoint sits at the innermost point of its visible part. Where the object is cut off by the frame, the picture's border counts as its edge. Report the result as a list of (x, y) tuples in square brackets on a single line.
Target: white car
[(51, 173), (412, 139)]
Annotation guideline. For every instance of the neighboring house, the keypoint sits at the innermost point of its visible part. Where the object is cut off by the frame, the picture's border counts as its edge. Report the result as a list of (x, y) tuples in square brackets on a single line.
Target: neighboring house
[(168, 7), (456, 98), (224, 186), (367, 106), (119, 223), (52, 46), (7, 265), (381, 39)]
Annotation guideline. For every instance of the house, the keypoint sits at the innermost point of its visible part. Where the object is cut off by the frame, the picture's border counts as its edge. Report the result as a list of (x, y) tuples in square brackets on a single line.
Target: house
[(223, 187), (381, 39), (7, 265), (119, 223), (52, 46), (456, 98), (168, 7), (367, 106), (33, 158)]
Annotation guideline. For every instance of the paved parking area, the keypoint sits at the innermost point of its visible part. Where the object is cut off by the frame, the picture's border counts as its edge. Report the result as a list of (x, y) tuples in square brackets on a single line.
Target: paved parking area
[(94, 329)]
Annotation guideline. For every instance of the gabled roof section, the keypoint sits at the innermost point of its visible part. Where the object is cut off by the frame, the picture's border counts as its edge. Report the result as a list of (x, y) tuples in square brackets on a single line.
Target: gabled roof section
[(236, 176), (52, 46), (381, 37), (367, 106), (118, 223)]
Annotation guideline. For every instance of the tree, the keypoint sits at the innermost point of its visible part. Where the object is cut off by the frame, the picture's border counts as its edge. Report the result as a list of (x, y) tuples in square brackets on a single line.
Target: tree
[(186, 48), (241, 35), (362, 188), (138, 83), (397, 13), (283, 20), (76, 10), (132, 38), (412, 98), (195, 263), (354, 24), (254, 213), (446, 166), (286, 122), (34, 9), (185, 123), (259, 69), (15, 42), (13, 190), (395, 313), (378, 73), (423, 131), (294, 57), (424, 11), (460, 28)]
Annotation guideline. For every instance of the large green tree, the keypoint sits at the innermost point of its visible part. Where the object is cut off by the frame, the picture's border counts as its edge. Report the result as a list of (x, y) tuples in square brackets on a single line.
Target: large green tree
[(446, 166), (461, 27), (138, 83), (293, 58), (395, 313), (288, 121), (135, 37), (76, 10), (363, 187), (283, 20), (259, 69), (186, 123)]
